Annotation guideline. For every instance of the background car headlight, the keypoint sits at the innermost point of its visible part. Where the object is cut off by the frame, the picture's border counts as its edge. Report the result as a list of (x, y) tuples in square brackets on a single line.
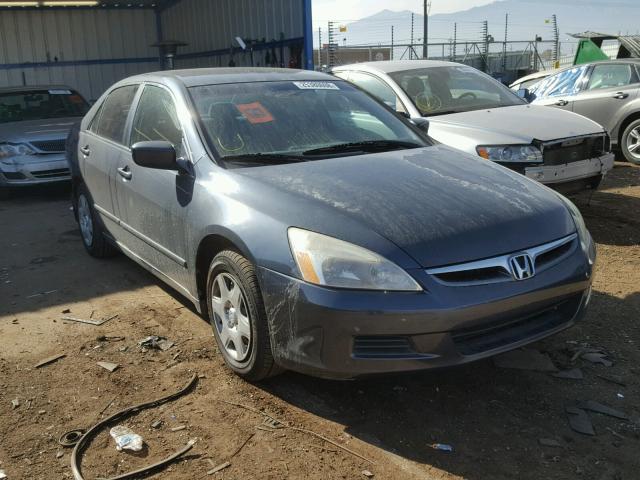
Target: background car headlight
[(510, 153), (15, 150), (330, 262)]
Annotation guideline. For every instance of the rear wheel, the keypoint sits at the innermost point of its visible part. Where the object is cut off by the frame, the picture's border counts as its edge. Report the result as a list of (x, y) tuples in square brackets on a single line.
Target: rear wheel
[(91, 229), (238, 317), (630, 144)]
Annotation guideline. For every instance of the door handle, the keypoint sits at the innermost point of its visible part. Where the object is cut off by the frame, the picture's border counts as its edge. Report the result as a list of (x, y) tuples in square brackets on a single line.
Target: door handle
[(621, 95), (85, 150), (125, 173), (562, 103)]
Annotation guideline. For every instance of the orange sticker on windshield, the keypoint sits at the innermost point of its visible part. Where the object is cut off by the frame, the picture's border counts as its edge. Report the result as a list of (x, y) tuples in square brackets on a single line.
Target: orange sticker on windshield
[(255, 112)]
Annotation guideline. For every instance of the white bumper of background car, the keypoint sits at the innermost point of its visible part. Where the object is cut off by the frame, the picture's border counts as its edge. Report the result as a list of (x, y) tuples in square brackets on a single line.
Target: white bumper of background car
[(34, 170), (571, 171)]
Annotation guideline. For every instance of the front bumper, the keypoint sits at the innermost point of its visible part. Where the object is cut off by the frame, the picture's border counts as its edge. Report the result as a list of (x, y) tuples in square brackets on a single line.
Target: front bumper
[(345, 334), (570, 172), (34, 170)]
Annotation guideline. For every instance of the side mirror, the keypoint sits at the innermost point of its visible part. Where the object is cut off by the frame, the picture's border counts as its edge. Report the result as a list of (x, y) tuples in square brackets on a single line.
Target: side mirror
[(421, 123), (157, 154), (524, 93)]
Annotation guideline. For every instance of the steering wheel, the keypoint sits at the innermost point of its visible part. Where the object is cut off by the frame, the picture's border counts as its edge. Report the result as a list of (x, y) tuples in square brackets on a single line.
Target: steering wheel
[(468, 94), (428, 103)]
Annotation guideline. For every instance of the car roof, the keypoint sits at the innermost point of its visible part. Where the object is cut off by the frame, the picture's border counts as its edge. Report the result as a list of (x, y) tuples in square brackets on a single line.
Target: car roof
[(390, 66), (635, 61), (29, 88), (217, 76)]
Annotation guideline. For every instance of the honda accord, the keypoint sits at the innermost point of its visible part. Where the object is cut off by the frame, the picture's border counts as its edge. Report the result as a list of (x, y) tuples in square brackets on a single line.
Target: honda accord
[(319, 231)]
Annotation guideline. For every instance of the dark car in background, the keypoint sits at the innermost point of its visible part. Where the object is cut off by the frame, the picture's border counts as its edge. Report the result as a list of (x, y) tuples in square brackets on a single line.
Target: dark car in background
[(321, 232), (607, 92), (34, 123)]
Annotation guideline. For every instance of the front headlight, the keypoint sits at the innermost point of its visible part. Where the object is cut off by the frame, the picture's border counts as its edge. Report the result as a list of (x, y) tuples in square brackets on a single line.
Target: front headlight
[(330, 262), (15, 150), (510, 153), (581, 227)]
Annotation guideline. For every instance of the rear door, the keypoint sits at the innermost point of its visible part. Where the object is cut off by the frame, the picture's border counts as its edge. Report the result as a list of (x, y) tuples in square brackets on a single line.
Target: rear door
[(610, 87), (99, 149), (153, 203)]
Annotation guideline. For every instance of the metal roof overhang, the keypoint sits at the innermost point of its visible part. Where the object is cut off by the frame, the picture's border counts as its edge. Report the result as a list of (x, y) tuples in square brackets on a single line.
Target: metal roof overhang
[(18, 5)]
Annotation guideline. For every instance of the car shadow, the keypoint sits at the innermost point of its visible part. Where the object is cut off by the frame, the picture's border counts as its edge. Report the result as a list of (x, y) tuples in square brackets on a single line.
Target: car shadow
[(493, 418)]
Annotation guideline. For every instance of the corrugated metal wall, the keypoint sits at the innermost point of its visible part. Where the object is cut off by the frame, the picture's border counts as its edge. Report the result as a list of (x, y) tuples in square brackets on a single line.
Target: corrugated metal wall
[(90, 37), (209, 28)]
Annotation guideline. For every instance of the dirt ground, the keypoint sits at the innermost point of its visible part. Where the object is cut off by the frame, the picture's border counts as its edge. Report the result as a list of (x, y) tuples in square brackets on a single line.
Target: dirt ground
[(493, 418)]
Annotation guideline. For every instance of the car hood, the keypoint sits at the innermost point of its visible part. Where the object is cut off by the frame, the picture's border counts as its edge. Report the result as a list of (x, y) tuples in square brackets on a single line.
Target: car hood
[(518, 124), (439, 205), (44, 129)]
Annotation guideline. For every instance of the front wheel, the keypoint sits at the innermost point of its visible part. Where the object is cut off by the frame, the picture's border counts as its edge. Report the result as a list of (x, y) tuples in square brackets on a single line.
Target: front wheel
[(238, 317), (630, 144)]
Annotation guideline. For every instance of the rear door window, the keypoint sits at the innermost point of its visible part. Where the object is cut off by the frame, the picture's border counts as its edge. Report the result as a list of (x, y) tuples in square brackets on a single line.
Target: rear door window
[(113, 113)]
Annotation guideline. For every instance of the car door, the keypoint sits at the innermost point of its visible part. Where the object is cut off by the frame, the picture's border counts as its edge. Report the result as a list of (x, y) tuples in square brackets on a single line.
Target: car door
[(610, 87), (99, 148), (153, 203), (560, 90)]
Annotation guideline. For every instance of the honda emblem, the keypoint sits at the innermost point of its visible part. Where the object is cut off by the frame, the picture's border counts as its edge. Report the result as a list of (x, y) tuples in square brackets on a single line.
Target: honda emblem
[(522, 266)]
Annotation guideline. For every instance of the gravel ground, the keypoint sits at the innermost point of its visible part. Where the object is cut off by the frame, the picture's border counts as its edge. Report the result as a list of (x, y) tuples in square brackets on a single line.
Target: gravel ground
[(494, 418)]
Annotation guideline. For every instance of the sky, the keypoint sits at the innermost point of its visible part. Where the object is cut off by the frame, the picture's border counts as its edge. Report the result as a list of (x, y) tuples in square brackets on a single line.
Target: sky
[(348, 10)]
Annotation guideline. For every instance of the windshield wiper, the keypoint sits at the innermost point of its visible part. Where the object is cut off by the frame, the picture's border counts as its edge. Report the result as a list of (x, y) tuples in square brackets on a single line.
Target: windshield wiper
[(265, 158), (366, 146)]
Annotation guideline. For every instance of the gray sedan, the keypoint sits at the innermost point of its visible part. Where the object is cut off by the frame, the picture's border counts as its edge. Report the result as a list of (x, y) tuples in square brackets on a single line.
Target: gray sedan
[(320, 232), (34, 123), (607, 92)]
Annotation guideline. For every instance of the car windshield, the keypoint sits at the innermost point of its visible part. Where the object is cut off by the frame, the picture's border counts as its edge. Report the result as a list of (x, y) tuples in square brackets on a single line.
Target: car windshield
[(18, 106), (271, 122), (453, 89)]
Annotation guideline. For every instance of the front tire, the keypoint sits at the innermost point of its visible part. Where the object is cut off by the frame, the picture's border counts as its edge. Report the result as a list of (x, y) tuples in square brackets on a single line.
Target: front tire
[(91, 230), (630, 142), (238, 318)]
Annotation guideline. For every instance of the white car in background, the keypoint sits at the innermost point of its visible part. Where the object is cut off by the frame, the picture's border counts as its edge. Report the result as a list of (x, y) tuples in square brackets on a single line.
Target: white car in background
[(471, 111)]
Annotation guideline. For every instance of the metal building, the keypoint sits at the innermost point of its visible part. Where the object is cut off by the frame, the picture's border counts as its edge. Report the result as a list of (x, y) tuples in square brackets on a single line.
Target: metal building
[(90, 44)]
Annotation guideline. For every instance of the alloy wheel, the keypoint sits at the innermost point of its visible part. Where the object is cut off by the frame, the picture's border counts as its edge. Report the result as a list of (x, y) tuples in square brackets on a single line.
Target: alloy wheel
[(85, 220), (633, 143), (231, 317)]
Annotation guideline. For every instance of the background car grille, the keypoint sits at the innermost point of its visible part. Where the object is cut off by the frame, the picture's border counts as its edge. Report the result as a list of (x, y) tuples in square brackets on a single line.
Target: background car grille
[(473, 341), (58, 172), (50, 146), (575, 149)]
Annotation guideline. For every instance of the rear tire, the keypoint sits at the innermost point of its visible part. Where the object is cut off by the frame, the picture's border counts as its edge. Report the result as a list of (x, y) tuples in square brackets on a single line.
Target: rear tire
[(630, 142), (238, 318), (91, 230)]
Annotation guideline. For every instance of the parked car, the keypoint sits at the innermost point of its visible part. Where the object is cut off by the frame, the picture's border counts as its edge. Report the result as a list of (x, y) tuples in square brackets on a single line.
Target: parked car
[(474, 113), (319, 231), (530, 80), (34, 123), (607, 92)]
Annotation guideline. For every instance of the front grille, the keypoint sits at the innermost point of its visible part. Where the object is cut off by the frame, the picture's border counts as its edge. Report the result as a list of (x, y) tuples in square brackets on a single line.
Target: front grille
[(482, 339), (58, 172), (497, 269), (570, 150), (50, 146), (382, 347), (14, 175)]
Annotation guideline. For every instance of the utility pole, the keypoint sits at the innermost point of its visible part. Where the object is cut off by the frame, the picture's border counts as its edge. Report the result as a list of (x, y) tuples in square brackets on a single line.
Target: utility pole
[(556, 42), (504, 46), (425, 33), (455, 39), (411, 48), (391, 54), (320, 47)]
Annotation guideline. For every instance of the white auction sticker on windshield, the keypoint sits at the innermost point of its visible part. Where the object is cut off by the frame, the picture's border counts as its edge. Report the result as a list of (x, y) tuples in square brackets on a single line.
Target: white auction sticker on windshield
[(59, 92), (316, 85)]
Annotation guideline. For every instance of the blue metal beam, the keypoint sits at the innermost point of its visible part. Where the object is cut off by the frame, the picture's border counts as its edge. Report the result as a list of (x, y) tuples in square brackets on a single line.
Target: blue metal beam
[(308, 34), (73, 63)]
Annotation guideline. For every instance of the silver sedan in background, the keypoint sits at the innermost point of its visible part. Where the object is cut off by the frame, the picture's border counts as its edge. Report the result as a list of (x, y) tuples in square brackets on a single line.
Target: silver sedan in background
[(34, 124), (472, 112)]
